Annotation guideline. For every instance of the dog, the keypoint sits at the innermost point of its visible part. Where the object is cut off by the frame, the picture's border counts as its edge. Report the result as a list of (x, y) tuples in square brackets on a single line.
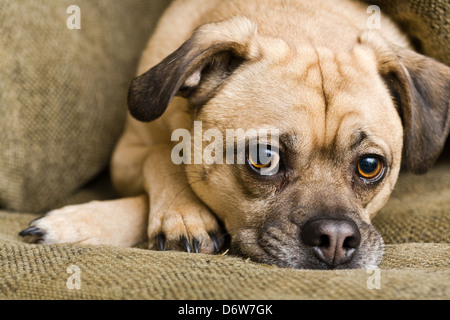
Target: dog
[(352, 107)]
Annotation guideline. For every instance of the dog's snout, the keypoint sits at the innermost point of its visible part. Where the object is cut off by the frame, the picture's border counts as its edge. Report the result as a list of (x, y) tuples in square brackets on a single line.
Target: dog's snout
[(333, 241)]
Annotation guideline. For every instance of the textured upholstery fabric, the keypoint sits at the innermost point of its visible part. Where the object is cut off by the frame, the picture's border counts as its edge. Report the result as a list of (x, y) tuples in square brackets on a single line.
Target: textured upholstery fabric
[(426, 22), (63, 93)]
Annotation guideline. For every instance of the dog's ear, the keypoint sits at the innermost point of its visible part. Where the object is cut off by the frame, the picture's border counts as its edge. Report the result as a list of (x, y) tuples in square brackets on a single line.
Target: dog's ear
[(420, 87), (196, 70)]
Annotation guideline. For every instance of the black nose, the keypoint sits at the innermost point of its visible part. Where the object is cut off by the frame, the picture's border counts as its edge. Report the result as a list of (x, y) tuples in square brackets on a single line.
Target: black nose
[(333, 241)]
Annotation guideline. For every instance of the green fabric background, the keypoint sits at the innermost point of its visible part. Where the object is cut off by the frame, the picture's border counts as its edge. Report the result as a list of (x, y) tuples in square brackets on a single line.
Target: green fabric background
[(63, 93)]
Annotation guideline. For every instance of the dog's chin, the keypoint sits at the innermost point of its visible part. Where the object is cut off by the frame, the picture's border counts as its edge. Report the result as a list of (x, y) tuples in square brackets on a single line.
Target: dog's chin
[(274, 246)]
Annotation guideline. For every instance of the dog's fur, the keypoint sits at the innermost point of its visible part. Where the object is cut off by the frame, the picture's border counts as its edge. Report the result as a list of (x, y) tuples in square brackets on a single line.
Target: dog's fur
[(311, 69)]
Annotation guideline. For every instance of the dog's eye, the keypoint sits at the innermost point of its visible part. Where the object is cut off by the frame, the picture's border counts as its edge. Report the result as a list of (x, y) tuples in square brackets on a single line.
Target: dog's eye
[(370, 168), (264, 160), (257, 162)]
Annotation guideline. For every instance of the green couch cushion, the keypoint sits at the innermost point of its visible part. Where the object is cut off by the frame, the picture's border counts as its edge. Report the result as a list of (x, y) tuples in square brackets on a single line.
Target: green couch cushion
[(426, 23), (63, 93)]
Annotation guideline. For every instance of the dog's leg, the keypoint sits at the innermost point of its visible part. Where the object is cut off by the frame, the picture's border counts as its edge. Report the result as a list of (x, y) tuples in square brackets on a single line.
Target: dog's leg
[(178, 220), (117, 222), (142, 162)]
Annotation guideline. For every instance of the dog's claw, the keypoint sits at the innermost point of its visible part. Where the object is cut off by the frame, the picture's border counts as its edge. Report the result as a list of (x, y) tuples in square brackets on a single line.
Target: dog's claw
[(196, 244), (35, 232), (186, 243), (215, 242), (161, 242), (32, 231)]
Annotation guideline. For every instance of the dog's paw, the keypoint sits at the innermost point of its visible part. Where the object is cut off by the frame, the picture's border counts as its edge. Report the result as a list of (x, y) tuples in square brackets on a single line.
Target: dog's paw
[(188, 227), (118, 223), (70, 224)]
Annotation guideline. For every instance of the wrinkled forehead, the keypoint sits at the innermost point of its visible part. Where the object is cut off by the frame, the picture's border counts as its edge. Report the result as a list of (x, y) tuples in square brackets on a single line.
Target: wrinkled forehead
[(316, 92)]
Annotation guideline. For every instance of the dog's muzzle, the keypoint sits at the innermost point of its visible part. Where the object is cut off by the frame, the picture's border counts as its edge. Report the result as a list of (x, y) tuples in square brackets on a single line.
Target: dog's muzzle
[(311, 241)]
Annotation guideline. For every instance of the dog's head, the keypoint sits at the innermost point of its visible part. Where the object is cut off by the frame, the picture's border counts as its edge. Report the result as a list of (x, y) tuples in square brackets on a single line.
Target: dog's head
[(347, 121)]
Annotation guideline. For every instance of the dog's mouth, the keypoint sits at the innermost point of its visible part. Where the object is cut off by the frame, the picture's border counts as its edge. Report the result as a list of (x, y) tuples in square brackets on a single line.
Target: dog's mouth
[(321, 243)]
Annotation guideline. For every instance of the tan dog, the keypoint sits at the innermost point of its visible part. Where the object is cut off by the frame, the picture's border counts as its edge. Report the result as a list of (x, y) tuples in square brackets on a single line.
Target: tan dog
[(350, 105)]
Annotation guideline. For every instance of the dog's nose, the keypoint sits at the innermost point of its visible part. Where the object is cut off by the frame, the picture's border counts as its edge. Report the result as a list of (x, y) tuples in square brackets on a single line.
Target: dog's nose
[(333, 241)]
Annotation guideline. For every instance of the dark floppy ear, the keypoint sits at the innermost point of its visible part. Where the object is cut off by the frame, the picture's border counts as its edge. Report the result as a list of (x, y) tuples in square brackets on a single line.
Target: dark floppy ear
[(420, 87), (196, 70)]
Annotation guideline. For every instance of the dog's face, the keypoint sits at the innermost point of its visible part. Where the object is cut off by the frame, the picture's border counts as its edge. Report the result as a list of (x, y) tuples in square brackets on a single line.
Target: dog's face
[(341, 122), (338, 156)]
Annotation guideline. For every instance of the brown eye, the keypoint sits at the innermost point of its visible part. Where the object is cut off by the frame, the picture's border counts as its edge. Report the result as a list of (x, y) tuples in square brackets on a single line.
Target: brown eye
[(264, 160), (257, 163), (370, 168)]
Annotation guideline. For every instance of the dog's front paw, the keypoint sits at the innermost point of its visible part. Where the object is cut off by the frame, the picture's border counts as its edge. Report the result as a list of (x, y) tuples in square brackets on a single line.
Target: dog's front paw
[(189, 227), (119, 223), (71, 224)]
